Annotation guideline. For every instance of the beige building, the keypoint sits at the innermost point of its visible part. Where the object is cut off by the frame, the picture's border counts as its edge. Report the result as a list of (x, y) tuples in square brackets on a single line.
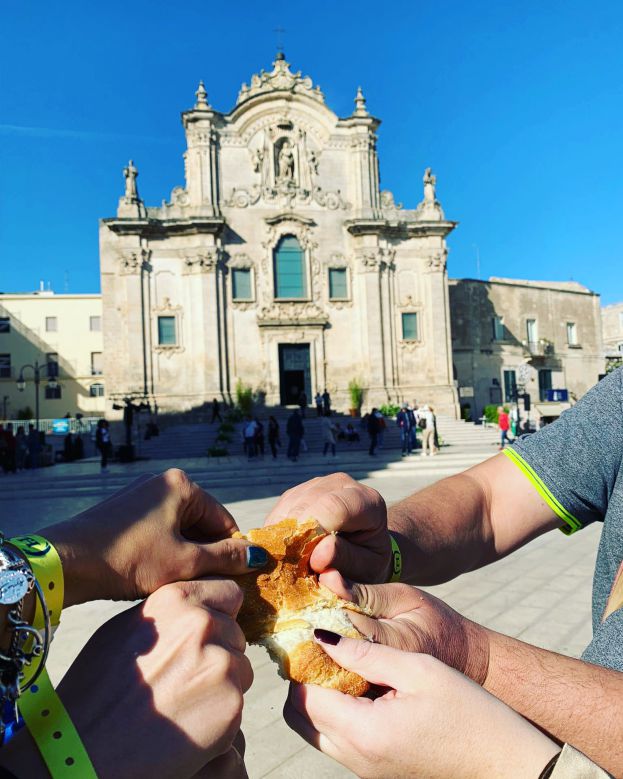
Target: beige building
[(519, 336), (63, 334), (279, 263), (612, 328)]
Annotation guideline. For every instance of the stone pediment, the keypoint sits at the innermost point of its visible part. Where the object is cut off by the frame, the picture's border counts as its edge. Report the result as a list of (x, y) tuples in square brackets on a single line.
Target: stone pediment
[(289, 217), (280, 79)]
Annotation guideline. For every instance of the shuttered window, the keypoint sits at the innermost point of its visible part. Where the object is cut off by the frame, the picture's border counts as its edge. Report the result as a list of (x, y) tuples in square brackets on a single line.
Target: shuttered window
[(167, 335), (338, 284), (410, 327), (241, 284)]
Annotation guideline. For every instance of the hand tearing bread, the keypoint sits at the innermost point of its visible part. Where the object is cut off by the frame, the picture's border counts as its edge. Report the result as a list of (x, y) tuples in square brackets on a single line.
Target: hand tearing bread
[(284, 603)]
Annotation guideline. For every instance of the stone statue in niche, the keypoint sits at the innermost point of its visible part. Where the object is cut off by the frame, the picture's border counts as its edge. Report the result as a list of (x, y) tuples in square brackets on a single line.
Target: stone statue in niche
[(430, 182), (131, 191), (286, 162), (312, 159)]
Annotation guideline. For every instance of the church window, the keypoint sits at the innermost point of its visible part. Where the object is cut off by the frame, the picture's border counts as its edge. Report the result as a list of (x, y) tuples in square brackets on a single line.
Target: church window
[(96, 390), (338, 284), (167, 335), (410, 327), (241, 284), (289, 268)]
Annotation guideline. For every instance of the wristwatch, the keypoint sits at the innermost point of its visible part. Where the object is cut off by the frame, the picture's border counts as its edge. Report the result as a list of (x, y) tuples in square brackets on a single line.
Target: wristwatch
[(16, 577)]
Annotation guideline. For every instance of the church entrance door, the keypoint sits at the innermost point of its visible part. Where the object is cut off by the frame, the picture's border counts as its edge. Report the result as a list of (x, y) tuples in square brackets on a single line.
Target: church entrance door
[(294, 373)]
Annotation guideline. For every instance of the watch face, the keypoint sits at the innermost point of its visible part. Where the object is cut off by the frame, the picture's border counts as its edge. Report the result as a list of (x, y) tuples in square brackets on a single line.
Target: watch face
[(13, 586)]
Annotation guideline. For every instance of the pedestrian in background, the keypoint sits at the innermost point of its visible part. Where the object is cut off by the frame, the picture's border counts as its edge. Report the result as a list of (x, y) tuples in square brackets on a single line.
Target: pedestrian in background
[(259, 437), (248, 431), (326, 403), (216, 412), (303, 403), (504, 426), (295, 431), (21, 449), (273, 436), (102, 443), (426, 423), (404, 425), (318, 401), (381, 429), (328, 436), (373, 431)]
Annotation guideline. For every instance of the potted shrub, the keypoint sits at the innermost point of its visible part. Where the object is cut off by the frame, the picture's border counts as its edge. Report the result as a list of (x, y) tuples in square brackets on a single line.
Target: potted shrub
[(356, 397)]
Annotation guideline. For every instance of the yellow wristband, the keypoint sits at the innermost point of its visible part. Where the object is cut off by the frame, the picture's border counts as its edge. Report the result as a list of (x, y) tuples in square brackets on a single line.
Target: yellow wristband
[(396, 570), (53, 732), (48, 570)]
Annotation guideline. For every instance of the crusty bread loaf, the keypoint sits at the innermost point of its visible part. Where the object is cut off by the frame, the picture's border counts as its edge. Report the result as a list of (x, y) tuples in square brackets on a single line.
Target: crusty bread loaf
[(283, 603)]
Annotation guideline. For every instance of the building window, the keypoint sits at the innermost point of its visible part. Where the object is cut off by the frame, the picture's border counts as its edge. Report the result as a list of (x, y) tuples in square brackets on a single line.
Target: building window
[(289, 269), (338, 284), (167, 335), (5, 324), (498, 328), (97, 364), (51, 324), (5, 366), (510, 386), (545, 383), (95, 324), (532, 331), (96, 390), (410, 327), (52, 360), (572, 334), (53, 393), (241, 284)]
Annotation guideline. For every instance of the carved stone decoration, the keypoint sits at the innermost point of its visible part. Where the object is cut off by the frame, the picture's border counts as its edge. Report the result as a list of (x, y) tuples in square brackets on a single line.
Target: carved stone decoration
[(179, 197), (132, 262), (292, 313), (242, 198), (280, 79), (374, 259), (436, 263), (330, 200), (204, 262), (388, 203)]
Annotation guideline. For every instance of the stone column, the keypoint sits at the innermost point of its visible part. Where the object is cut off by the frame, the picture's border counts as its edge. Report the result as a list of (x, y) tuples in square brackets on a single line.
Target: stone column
[(368, 268)]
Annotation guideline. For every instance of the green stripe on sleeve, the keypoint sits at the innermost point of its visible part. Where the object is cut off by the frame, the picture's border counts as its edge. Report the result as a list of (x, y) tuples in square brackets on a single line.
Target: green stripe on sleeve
[(572, 524)]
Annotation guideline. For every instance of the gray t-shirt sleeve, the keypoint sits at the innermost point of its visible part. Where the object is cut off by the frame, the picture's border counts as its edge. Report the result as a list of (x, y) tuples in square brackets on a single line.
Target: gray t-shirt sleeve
[(574, 462)]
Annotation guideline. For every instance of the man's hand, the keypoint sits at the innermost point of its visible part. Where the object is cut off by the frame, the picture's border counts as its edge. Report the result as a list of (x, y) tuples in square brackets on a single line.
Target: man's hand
[(432, 722), (159, 530), (406, 618), (361, 549), (158, 690)]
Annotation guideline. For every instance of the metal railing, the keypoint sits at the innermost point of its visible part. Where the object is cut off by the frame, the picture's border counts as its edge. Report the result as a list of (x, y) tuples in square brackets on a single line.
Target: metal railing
[(540, 348)]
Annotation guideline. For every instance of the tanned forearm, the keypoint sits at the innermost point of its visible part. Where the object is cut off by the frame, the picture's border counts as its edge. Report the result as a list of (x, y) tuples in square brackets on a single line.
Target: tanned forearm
[(573, 701), (443, 530)]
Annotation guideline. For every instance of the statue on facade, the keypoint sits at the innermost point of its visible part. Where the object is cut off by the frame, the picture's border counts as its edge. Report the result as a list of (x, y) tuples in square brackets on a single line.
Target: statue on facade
[(312, 159), (257, 158), (286, 162), (131, 192), (429, 186)]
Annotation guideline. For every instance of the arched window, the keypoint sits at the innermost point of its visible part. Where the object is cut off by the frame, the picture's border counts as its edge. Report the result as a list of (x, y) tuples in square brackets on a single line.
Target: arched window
[(289, 269)]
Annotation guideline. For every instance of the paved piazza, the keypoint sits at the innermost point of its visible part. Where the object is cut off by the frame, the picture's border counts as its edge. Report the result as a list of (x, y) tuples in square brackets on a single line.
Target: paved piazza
[(541, 594)]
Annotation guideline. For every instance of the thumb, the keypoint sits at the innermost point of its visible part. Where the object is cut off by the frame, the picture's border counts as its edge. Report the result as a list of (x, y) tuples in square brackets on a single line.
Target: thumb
[(228, 557), (376, 663)]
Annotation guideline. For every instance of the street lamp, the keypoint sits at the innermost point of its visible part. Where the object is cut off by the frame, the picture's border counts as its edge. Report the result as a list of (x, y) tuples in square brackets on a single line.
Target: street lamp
[(51, 369)]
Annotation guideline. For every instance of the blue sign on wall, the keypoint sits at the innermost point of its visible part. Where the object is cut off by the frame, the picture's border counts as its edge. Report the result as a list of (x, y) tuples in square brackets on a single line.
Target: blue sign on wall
[(60, 426), (557, 395)]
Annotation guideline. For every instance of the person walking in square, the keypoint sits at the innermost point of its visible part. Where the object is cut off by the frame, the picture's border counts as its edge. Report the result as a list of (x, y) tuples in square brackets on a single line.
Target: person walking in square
[(328, 435), (259, 437), (318, 402), (373, 431), (504, 426), (273, 436), (248, 432), (295, 431), (216, 412), (404, 424), (426, 423), (103, 444), (326, 403)]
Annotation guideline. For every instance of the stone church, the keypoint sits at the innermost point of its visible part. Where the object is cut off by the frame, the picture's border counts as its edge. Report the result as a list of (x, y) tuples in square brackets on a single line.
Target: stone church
[(279, 263)]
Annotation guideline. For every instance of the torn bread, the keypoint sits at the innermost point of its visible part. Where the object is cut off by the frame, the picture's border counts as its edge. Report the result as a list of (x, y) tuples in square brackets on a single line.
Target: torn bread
[(284, 603)]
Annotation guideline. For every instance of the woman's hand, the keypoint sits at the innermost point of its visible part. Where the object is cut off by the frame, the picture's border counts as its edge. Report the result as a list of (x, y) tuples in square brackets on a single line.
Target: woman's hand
[(407, 618), (158, 690), (361, 549), (158, 530), (431, 722)]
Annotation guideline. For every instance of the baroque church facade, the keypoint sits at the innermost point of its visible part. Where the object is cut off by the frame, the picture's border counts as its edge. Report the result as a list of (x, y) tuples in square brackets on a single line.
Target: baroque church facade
[(280, 263)]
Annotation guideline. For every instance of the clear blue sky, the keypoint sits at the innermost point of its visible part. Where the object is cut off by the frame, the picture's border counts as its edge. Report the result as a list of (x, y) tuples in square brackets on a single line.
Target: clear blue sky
[(517, 106)]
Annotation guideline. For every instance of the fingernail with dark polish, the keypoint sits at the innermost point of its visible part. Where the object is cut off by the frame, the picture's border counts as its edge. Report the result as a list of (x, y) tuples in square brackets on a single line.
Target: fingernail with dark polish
[(327, 636), (257, 557)]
